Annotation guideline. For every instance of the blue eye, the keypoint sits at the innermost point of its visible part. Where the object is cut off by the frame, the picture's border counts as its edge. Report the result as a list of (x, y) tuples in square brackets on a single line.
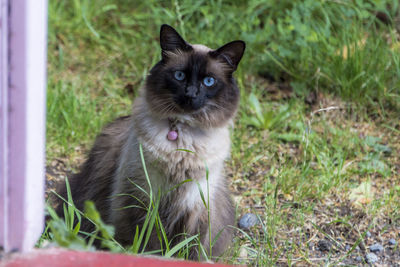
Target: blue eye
[(209, 81), (179, 75)]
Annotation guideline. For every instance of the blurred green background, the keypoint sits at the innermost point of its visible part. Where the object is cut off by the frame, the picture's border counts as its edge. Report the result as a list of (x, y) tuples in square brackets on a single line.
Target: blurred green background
[(98, 48)]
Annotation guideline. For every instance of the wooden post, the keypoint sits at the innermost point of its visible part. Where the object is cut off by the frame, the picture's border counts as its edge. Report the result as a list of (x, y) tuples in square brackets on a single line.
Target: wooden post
[(23, 28), (3, 117)]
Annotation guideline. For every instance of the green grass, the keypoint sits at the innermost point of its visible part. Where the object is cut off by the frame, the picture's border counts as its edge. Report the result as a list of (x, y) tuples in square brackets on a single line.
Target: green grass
[(101, 50), (295, 167)]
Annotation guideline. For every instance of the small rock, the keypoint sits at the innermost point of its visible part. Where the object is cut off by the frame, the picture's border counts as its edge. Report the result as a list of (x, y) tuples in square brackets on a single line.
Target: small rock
[(368, 234), (392, 242), (359, 259), (371, 258), (347, 247), (376, 248), (324, 245), (243, 253), (248, 220)]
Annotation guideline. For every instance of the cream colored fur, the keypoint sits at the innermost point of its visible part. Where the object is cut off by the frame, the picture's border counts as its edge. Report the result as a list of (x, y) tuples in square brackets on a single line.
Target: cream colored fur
[(166, 165)]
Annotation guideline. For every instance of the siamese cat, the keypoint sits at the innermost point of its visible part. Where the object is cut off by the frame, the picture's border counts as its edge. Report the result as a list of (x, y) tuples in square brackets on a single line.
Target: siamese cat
[(181, 119)]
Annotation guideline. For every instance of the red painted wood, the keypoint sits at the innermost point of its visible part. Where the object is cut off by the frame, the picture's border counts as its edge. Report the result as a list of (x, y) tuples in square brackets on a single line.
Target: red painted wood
[(68, 258)]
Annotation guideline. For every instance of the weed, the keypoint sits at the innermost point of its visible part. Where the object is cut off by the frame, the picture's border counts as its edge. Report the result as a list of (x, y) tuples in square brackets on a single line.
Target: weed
[(262, 118)]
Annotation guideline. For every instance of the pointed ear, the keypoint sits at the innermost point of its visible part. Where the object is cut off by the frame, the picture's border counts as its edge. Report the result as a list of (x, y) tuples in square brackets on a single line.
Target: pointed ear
[(170, 40), (231, 53)]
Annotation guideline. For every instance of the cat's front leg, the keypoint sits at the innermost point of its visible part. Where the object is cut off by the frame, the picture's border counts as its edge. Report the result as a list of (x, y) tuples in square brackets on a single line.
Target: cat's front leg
[(222, 217)]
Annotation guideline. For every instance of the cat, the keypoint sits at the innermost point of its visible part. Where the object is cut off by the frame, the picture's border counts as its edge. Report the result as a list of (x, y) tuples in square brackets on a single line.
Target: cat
[(181, 119)]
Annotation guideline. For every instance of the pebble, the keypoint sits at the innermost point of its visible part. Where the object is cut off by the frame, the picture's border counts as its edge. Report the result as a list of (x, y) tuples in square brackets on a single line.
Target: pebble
[(376, 248), (248, 220), (359, 259), (347, 247), (243, 253), (392, 242), (371, 258), (324, 245), (368, 234)]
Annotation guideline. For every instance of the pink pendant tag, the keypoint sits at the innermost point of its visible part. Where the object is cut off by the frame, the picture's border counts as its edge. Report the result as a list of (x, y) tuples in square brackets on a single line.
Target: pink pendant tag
[(172, 135)]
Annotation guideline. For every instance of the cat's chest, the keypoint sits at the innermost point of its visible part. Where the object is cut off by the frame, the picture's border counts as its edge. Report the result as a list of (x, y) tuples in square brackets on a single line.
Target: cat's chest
[(191, 144), (190, 154)]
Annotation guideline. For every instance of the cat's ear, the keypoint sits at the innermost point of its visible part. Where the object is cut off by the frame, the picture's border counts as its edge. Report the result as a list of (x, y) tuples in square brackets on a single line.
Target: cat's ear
[(170, 40), (231, 53)]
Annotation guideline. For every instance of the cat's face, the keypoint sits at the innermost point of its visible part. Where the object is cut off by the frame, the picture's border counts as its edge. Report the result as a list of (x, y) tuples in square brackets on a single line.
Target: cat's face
[(194, 80)]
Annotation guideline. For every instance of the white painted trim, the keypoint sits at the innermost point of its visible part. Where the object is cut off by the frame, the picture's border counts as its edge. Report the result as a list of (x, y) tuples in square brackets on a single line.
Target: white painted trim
[(25, 131), (3, 117)]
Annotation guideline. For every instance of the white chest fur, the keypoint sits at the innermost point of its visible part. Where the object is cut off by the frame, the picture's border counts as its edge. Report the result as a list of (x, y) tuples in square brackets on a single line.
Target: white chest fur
[(188, 157), (171, 162)]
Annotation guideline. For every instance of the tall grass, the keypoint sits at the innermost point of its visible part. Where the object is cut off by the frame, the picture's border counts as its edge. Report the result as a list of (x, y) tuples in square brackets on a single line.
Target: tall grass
[(66, 231)]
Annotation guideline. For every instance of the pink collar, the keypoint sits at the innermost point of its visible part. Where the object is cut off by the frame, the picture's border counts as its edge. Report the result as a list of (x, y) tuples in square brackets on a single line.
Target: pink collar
[(173, 130)]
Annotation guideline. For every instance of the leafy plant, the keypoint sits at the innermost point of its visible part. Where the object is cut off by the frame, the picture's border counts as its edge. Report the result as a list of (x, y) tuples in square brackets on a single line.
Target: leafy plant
[(264, 119), (66, 232), (373, 162)]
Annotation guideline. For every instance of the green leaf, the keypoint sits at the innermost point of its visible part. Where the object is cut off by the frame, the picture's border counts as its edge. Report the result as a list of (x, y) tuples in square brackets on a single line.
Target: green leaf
[(255, 106), (52, 212), (107, 231), (179, 246), (153, 216), (185, 150), (201, 194), (253, 121), (77, 228), (65, 238), (91, 211), (362, 194)]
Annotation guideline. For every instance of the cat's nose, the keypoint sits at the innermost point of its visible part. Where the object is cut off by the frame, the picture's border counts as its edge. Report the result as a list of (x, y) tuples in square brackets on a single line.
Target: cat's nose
[(191, 91)]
